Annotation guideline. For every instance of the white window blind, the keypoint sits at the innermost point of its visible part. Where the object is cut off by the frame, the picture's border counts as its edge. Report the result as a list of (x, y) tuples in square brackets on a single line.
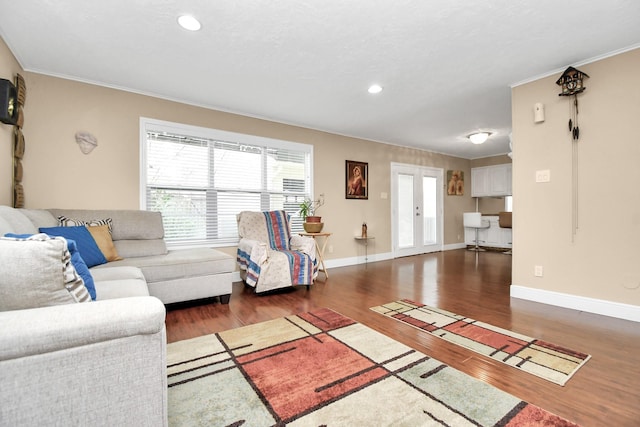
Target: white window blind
[(200, 179)]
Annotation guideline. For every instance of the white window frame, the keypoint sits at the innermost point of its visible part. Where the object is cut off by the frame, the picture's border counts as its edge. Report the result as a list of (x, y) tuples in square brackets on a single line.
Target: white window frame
[(154, 125)]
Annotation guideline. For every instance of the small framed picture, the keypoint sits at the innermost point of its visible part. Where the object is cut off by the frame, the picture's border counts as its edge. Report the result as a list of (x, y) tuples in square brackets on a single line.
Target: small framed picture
[(356, 177), (455, 183)]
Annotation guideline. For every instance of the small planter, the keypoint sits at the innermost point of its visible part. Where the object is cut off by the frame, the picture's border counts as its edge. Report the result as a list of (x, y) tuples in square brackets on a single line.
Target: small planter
[(312, 227)]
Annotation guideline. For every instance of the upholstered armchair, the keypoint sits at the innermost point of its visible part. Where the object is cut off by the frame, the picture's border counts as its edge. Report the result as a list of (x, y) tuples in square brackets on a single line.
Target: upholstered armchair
[(270, 257)]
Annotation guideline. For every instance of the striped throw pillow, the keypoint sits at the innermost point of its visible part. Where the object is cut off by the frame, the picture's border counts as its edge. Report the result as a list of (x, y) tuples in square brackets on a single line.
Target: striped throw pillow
[(72, 222)]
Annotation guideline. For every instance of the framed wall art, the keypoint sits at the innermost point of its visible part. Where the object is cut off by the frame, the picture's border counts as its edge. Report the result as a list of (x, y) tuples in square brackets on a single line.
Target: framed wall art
[(455, 183), (357, 178)]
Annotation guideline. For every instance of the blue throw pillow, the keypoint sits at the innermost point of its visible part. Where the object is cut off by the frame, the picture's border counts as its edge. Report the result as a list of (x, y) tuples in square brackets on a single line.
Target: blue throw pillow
[(87, 246), (81, 267), (76, 260)]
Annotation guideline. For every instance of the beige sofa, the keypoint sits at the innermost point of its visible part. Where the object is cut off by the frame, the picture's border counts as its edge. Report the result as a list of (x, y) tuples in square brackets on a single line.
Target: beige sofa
[(101, 362)]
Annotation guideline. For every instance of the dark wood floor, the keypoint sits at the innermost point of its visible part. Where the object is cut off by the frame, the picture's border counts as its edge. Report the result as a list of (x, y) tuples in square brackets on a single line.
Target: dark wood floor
[(604, 392)]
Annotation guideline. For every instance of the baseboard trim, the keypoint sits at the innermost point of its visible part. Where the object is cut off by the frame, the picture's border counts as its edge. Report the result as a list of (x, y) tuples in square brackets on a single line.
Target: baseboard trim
[(576, 302), (454, 246), (345, 262)]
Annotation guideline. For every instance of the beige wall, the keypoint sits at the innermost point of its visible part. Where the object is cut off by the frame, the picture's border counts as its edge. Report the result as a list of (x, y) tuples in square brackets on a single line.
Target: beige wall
[(9, 67), (601, 261), (57, 174)]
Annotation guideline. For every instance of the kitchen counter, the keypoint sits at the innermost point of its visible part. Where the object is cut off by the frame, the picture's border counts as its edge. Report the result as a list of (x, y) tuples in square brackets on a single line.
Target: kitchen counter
[(492, 237)]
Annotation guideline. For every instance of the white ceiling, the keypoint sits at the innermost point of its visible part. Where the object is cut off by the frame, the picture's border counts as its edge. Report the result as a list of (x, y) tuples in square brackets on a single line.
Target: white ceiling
[(447, 67)]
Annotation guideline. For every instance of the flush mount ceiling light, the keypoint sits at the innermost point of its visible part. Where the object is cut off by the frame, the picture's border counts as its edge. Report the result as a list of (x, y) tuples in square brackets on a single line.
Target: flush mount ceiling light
[(375, 89), (479, 137), (188, 22)]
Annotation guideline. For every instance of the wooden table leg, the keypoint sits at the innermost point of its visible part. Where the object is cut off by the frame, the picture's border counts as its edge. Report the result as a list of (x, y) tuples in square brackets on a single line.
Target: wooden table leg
[(321, 255)]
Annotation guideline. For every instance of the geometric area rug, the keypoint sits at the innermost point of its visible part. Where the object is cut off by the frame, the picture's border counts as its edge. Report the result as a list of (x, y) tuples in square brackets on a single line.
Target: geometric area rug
[(543, 359), (324, 369)]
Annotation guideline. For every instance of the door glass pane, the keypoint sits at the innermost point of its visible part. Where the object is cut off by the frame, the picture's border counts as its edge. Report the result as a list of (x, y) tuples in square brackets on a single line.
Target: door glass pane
[(405, 211), (429, 197)]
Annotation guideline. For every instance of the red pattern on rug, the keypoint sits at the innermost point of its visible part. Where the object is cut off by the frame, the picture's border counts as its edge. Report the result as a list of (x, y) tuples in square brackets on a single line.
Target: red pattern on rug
[(533, 416), (293, 377), (488, 337)]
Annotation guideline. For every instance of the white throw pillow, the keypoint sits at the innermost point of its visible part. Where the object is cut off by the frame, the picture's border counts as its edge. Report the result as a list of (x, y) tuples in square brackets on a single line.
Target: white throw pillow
[(37, 272)]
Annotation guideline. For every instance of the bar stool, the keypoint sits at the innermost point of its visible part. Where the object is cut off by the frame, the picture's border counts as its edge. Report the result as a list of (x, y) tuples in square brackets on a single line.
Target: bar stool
[(474, 220), (504, 221)]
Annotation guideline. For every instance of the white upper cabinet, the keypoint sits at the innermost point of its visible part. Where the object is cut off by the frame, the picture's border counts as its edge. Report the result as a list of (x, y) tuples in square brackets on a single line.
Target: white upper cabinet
[(491, 181)]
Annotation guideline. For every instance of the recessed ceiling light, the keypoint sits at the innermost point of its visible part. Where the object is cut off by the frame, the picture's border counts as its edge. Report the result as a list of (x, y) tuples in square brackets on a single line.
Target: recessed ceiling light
[(188, 22), (479, 137), (375, 89)]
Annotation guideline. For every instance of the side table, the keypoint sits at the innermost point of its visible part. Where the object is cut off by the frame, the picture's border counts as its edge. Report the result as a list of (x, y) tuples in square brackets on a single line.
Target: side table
[(366, 244), (320, 249)]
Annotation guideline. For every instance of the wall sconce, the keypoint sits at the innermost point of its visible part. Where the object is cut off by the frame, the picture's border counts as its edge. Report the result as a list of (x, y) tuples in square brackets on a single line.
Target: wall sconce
[(479, 137)]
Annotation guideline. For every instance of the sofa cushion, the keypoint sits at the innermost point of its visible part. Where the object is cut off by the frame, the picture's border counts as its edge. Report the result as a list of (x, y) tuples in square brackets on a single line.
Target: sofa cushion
[(40, 217), (179, 264), (87, 246), (15, 221), (119, 282), (37, 272), (102, 236)]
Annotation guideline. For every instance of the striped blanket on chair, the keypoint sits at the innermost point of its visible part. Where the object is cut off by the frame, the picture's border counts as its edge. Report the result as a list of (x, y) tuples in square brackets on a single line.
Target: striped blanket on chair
[(270, 256)]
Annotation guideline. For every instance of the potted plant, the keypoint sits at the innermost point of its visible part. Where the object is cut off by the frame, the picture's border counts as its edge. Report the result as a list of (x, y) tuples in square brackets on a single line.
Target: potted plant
[(308, 213)]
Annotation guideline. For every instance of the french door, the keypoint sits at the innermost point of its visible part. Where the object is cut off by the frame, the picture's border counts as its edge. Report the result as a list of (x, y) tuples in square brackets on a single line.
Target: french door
[(416, 209)]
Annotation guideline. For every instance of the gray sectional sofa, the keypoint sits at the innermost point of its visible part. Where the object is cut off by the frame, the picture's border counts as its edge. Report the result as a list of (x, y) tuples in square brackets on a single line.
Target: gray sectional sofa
[(102, 362), (170, 275)]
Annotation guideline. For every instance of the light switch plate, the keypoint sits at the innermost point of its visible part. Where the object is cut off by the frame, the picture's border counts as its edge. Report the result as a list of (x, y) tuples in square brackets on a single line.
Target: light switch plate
[(543, 175)]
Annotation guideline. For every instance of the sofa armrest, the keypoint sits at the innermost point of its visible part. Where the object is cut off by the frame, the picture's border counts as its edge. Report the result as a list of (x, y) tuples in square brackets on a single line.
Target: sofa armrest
[(100, 363), (48, 329)]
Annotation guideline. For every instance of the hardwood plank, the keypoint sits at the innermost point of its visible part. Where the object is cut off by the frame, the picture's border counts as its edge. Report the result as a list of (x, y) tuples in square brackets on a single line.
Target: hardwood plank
[(604, 392)]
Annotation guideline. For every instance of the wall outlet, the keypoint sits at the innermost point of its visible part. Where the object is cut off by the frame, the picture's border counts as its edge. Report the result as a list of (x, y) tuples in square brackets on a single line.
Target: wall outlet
[(330, 249), (537, 271)]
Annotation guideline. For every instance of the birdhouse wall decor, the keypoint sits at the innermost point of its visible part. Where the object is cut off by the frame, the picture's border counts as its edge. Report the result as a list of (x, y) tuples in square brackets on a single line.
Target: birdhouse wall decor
[(572, 83)]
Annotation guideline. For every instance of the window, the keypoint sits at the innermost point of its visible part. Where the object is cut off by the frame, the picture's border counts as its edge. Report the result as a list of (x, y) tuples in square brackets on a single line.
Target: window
[(200, 179)]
